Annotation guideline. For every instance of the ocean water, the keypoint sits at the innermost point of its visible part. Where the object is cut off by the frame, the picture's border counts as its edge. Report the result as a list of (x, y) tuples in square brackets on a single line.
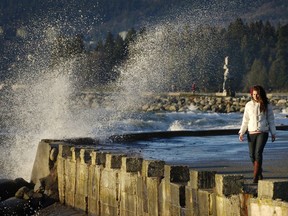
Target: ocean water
[(191, 149), (19, 141)]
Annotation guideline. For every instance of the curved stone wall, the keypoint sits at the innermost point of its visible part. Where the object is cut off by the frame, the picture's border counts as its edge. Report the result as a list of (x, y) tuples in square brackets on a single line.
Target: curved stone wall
[(103, 183)]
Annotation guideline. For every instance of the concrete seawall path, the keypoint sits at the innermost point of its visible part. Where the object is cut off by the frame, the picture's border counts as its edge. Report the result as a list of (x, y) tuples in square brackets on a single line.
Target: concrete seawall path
[(118, 165), (92, 175)]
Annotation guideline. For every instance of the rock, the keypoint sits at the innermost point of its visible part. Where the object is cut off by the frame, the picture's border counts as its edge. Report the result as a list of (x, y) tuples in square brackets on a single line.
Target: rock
[(20, 193), (8, 188), (28, 195), (15, 206), (145, 107), (53, 154), (172, 108), (207, 107)]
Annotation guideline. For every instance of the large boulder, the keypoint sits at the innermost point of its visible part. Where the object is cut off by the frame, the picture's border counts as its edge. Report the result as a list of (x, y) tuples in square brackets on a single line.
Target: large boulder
[(15, 206), (8, 187)]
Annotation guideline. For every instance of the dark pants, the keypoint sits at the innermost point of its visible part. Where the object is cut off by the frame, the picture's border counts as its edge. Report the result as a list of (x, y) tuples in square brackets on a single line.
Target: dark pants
[(256, 144)]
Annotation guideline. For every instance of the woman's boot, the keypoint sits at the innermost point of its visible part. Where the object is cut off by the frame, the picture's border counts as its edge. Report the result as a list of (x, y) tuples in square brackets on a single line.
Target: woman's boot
[(256, 172), (260, 176)]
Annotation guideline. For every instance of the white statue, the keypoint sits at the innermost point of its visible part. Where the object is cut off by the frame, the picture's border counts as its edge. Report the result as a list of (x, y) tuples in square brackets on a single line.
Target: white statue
[(226, 72)]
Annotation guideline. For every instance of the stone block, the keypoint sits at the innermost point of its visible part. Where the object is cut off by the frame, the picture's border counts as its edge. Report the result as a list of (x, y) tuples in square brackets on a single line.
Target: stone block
[(81, 188), (176, 174), (70, 181), (168, 209), (127, 213), (70, 198), (139, 206), (41, 168), (61, 178), (128, 182), (131, 164), (82, 179), (152, 196), (109, 179), (245, 202), (227, 206), (153, 168), (106, 209), (267, 207), (76, 152), (85, 156), (109, 197), (206, 204), (114, 161), (191, 201), (199, 202), (201, 179), (177, 192), (128, 204), (98, 158), (227, 185), (141, 187), (101, 158), (175, 210), (93, 206), (109, 187), (94, 181), (93, 187), (273, 189), (80, 202), (171, 198), (164, 192)]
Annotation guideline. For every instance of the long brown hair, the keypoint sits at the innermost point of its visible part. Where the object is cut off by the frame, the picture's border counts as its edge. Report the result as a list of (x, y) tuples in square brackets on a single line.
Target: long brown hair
[(263, 100)]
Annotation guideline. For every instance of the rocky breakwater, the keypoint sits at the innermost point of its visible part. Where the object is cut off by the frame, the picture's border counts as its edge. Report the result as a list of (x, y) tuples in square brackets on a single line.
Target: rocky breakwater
[(183, 102), (186, 102)]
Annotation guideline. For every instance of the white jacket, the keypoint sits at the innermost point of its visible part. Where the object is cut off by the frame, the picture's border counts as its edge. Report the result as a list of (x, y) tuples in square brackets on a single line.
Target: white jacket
[(253, 120)]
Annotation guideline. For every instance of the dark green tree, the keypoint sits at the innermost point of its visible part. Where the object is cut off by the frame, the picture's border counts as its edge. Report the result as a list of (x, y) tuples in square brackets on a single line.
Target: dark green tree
[(235, 33), (257, 75), (278, 73)]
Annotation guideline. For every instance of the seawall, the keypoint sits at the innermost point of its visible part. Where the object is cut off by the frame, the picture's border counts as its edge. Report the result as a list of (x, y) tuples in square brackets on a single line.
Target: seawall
[(104, 183)]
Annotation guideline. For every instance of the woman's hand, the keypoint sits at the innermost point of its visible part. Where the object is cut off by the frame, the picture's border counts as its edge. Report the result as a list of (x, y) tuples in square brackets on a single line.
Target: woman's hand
[(273, 138), (241, 138)]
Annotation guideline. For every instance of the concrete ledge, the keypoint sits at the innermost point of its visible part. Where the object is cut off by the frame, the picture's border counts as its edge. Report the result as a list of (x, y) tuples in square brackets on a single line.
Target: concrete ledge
[(114, 161), (131, 164), (201, 179), (227, 185), (98, 158), (273, 189), (153, 168), (176, 174)]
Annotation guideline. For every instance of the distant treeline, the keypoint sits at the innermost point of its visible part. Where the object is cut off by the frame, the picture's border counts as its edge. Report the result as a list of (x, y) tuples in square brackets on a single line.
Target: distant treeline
[(257, 51), (258, 54)]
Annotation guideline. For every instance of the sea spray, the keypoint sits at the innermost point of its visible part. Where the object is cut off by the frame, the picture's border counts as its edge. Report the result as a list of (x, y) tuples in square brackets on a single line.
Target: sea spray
[(38, 101), (42, 108)]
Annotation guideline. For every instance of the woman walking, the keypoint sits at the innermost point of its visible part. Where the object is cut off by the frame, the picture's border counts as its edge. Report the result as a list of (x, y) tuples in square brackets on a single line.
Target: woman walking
[(258, 119)]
